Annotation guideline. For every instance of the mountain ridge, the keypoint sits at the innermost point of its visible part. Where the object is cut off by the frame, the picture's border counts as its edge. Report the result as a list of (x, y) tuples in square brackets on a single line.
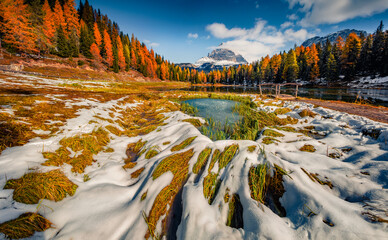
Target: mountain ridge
[(332, 37)]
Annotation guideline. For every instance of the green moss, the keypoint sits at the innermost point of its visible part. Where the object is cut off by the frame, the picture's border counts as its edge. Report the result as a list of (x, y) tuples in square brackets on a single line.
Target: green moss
[(215, 157)]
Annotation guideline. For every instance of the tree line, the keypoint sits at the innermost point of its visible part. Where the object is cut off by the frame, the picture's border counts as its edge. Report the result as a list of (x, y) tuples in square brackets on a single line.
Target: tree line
[(56, 27), (356, 56)]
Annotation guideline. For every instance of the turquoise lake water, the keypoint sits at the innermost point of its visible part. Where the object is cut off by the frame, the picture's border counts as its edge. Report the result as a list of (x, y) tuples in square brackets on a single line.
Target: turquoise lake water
[(218, 109)]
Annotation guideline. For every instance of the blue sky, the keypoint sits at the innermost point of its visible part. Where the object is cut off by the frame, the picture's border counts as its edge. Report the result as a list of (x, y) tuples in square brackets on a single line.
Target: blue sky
[(186, 30)]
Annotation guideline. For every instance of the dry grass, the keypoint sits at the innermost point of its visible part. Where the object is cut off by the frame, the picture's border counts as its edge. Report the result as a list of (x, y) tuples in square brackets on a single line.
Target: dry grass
[(268, 188), (195, 122), (307, 148), (152, 152), (307, 113), (227, 155), (202, 160), (146, 117), (183, 144), (178, 164), (166, 143), (280, 111), (87, 144), (14, 134), (314, 177), (268, 140), (32, 187), (25, 226), (235, 213), (210, 186), (215, 157), (272, 133), (252, 148), (133, 153), (114, 130), (137, 173), (143, 196)]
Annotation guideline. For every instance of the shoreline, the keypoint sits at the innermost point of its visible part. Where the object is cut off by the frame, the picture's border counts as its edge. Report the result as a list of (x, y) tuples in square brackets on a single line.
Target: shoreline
[(375, 113)]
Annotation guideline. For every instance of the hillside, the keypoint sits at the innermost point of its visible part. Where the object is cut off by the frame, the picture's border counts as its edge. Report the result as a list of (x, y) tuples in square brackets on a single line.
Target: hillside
[(332, 37)]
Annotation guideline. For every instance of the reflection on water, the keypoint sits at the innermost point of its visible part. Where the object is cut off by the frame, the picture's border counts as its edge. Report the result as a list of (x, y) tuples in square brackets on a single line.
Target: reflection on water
[(217, 109), (373, 96)]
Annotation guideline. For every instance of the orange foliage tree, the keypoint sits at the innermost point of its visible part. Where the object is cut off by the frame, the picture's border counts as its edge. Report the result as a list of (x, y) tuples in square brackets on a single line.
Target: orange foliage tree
[(108, 49), (97, 35), (59, 19), (48, 24), (15, 26), (71, 18), (120, 52)]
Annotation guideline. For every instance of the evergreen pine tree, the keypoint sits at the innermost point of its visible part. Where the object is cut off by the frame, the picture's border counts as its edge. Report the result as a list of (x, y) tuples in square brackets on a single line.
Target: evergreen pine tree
[(62, 44)]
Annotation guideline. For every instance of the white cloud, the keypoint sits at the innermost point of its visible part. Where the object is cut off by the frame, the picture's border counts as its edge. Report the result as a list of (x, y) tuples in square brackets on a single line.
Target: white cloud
[(192, 35), (150, 44), (335, 11), (293, 17), (219, 30), (258, 41), (286, 25), (154, 44), (257, 5)]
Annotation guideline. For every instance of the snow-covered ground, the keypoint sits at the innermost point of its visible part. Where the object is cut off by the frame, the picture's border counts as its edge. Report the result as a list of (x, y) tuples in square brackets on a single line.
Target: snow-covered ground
[(109, 205)]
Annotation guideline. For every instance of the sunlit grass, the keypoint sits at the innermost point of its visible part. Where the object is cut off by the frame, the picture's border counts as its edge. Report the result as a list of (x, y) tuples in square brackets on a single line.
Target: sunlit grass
[(25, 226), (178, 165), (32, 187), (183, 144)]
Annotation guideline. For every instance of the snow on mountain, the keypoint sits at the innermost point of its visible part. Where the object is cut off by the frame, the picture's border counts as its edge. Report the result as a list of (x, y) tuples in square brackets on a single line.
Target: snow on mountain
[(332, 37), (219, 58)]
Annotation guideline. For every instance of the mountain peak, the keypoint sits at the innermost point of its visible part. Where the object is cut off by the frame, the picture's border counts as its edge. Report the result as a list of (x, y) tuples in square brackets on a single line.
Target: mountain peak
[(219, 58), (332, 37)]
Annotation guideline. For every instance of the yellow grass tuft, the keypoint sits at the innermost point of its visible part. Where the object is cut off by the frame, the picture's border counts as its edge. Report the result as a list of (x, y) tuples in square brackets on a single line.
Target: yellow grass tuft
[(280, 111), (314, 177), (87, 144), (25, 226), (195, 122), (307, 113), (178, 164), (272, 133), (137, 173), (227, 155), (203, 157), (210, 186), (252, 148), (32, 187), (307, 148), (183, 144)]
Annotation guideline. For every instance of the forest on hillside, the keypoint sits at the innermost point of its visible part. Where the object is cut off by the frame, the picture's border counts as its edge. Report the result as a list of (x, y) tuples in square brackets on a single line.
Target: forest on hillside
[(38, 28), (353, 57)]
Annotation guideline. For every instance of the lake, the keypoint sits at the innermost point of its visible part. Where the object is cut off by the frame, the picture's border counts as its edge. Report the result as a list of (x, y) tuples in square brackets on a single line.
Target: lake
[(217, 109), (372, 96)]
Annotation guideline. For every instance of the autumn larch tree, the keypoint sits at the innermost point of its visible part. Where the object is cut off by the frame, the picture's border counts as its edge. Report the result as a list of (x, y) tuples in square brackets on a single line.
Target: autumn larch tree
[(120, 53), (59, 19), (71, 18), (97, 35), (15, 26), (48, 25), (108, 49)]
